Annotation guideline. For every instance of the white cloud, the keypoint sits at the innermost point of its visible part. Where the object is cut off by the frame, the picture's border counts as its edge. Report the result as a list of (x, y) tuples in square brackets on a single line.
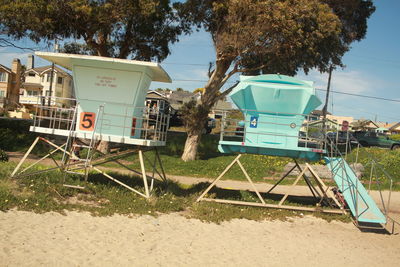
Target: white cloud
[(354, 82)]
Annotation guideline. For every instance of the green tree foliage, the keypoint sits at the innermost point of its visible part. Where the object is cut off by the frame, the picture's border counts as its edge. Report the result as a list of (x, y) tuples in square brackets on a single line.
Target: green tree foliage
[(274, 36), (139, 29)]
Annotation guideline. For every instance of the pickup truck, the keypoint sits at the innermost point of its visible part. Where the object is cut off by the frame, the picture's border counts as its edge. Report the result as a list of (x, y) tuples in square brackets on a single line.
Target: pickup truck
[(376, 139)]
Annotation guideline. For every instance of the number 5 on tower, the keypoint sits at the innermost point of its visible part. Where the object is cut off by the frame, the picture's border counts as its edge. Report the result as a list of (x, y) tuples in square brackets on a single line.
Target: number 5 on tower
[(87, 120)]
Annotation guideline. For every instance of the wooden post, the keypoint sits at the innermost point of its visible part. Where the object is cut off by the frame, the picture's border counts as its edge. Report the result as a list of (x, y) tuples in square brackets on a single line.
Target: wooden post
[(25, 156), (250, 181), (146, 187), (219, 177), (295, 182)]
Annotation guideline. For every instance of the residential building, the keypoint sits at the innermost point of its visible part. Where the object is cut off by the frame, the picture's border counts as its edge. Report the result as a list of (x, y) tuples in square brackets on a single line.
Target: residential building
[(38, 83), (10, 81), (389, 128), (364, 125), (317, 115), (340, 119), (178, 98)]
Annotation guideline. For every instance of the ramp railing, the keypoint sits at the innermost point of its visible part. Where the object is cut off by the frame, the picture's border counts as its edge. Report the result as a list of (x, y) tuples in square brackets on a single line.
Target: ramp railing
[(377, 177)]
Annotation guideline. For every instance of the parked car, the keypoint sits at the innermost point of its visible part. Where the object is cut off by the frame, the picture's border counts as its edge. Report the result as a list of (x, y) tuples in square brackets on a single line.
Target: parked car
[(210, 124), (376, 139), (341, 137)]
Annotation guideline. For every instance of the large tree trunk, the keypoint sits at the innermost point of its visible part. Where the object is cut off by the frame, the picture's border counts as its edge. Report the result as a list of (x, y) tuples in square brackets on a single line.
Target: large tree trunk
[(104, 147), (208, 99), (191, 145)]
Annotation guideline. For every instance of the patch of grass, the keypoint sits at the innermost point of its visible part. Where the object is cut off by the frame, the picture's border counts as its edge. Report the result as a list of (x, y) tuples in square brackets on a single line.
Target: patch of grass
[(257, 166), (389, 161), (102, 197)]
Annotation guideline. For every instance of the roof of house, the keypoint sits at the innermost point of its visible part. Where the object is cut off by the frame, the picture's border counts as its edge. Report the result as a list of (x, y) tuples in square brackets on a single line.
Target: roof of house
[(180, 95), (369, 123), (223, 105), (393, 126), (41, 70), (155, 94), (318, 112), (321, 121), (5, 68)]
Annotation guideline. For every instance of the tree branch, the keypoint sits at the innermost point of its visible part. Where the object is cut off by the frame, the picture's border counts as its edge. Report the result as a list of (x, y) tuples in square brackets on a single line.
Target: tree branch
[(226, 78), (227, 91), (210, 72), (251, 69)]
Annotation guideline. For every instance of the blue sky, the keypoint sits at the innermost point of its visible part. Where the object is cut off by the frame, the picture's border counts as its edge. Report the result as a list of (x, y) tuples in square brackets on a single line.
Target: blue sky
[(372, 67)]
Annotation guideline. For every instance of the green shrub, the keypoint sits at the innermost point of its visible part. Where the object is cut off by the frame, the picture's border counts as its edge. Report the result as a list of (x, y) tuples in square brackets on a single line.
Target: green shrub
[(395, 137), (15, 135), (3, 156)]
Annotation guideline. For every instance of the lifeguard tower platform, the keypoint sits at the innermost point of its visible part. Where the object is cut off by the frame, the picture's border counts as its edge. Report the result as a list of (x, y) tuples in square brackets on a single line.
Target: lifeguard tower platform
[(277, 122), (109, 106)]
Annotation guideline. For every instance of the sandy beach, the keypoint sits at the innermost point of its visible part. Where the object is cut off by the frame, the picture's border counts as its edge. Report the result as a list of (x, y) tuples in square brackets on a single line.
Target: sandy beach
[(79, 239)]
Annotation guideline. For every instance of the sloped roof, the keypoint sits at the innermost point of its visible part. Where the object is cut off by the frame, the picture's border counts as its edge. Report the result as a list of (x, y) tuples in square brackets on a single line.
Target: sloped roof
[(318, 112), (158, 94), (393, 126), (223, 105), (5, 68), (40, 70), (180, 95)]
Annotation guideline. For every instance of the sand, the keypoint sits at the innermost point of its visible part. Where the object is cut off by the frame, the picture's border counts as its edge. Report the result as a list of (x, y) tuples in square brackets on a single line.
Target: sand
[(79, 239)]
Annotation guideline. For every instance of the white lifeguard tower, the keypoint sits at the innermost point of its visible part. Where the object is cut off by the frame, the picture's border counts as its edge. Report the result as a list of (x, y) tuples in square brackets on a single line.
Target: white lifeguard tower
[(109, 106)]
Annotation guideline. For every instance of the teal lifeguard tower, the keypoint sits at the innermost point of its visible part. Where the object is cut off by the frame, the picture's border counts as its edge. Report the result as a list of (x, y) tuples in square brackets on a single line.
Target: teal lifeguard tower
[(109, 106), (276, 110)]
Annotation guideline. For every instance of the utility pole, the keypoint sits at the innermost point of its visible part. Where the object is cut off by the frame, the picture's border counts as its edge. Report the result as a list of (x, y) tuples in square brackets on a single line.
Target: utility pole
[(52, 74), (325, 108)]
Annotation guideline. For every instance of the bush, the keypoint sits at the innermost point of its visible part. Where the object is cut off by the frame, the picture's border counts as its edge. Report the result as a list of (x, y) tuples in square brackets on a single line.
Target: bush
[(15, 135), (3, 156), (395, 137)]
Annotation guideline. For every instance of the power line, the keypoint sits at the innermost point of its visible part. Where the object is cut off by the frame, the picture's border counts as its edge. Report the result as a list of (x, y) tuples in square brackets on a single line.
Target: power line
[(359, 95), (318, 89)]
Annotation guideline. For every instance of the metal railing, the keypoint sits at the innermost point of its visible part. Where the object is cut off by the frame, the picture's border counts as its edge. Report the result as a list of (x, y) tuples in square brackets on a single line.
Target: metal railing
[(152, 124), (310, 135), (375, 175)]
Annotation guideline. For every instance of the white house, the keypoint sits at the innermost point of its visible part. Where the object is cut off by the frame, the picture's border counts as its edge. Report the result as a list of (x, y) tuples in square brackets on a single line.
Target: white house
[(37, 83)]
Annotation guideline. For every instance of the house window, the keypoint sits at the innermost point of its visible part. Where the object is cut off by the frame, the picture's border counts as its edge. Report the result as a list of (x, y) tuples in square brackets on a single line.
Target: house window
[(32, 93), (49, 77), (3, 77), (2, 93), (31, 74), (59, 80), (47, 93)]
